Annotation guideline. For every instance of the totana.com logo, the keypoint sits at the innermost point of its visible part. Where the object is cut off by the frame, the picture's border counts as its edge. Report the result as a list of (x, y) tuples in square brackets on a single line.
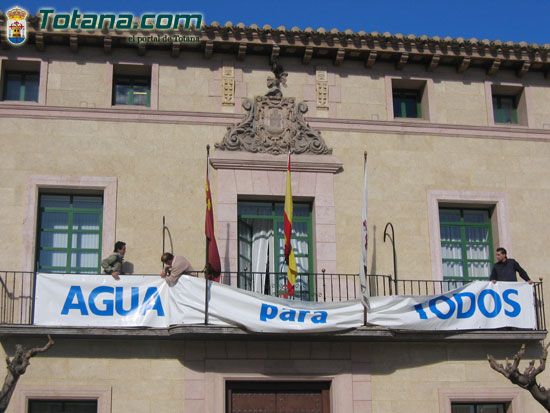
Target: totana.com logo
[(16, 26), (118, 21)]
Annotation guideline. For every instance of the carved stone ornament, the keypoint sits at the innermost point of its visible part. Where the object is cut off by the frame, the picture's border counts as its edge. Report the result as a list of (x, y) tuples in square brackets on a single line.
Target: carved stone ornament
[(274, 123), (321, 88), (228, 85)]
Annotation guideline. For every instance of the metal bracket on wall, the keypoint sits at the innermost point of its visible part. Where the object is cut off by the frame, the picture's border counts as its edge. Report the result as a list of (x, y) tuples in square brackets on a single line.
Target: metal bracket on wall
[(392, 239)]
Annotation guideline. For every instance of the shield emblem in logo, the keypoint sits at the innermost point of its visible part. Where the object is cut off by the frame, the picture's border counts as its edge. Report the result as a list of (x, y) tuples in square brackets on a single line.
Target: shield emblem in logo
[(16, 26)]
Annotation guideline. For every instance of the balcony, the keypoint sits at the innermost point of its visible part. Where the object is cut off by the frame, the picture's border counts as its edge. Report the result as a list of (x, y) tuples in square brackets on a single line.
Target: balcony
[(17, 297)]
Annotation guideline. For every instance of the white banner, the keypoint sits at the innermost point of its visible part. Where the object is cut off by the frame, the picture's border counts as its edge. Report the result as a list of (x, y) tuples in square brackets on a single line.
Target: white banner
[(147, 301), (478, 305), (101, 301), (260, 313)]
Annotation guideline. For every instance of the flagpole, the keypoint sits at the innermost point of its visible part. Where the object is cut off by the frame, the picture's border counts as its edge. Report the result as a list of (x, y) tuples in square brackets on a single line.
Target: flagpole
[(267, 282), (365, 167), (365, 316), (292, 273), (206, 239), (290, 236), (206, 255)]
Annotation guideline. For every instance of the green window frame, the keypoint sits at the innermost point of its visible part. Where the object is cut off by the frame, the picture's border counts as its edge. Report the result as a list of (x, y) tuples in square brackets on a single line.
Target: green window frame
[(62, 406), (20, 86), (479, 407), (466, 243), (69, 233), (407, 103), (273, 212), (505, 109), (131, 90)]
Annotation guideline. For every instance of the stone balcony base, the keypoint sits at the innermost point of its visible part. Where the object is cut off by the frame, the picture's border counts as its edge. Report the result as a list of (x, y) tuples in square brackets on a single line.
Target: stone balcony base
[(202, 332)]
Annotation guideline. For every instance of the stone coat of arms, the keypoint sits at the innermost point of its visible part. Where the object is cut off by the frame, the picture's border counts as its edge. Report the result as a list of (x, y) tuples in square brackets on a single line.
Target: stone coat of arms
[(274, 124)]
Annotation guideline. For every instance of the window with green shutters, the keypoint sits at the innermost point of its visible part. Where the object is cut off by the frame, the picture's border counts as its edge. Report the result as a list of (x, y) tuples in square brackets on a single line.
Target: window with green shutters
[(21, 86), (132, 90), (505, 109), (407, 103), (69, 233), (466, 243), (260, 227), (479, 407)]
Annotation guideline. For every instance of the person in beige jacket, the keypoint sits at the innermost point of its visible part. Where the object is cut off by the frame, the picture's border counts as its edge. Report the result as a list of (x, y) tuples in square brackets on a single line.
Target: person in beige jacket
[(174, 267), (113, 263)]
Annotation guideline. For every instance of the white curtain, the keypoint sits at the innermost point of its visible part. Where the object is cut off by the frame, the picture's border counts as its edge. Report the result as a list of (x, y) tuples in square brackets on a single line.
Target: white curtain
[(262, 237), (476, 249)]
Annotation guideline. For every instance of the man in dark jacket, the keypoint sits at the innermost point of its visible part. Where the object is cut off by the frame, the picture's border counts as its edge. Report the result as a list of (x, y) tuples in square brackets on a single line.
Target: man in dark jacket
[(505, 268)]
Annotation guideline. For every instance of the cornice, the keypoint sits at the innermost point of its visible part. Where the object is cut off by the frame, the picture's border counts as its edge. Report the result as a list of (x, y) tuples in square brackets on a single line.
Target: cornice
[(117, 115), (267, 162), (226, 119), (422, 128), (241, 40)]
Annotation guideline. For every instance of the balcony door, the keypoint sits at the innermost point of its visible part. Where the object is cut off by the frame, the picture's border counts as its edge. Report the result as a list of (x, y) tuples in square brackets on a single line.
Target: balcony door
[(261, 235)]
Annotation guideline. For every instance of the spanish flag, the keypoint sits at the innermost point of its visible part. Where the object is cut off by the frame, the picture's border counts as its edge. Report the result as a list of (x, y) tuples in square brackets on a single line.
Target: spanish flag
[(287, 226), (213, 264)]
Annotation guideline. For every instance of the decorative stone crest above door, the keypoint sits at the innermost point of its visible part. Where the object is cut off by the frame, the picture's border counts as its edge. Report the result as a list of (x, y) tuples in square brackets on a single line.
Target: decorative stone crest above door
[(273, 124)]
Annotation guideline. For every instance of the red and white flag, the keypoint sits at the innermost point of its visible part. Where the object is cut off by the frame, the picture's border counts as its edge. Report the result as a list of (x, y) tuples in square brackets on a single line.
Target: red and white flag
[(364, 241)]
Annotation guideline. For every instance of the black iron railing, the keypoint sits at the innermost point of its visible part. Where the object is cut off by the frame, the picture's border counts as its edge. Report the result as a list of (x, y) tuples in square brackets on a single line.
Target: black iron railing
[(17, 290), (16, 297), (539, 306), (320, 287)]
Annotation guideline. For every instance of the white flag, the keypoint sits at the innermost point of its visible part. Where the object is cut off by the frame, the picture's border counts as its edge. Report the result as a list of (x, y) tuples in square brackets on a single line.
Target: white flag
[(364, 241)]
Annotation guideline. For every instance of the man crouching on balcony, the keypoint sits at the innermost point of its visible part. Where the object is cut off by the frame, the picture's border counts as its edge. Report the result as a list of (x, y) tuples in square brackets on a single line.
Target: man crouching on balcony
[(174, 267), (113, 263)]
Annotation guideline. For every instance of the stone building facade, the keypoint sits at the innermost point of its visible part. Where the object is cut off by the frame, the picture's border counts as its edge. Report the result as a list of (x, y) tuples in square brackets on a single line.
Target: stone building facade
[(454, 129)]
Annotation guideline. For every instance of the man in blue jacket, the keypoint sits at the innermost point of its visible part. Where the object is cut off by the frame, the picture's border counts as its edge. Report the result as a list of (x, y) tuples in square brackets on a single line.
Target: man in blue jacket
[(505, 268)]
